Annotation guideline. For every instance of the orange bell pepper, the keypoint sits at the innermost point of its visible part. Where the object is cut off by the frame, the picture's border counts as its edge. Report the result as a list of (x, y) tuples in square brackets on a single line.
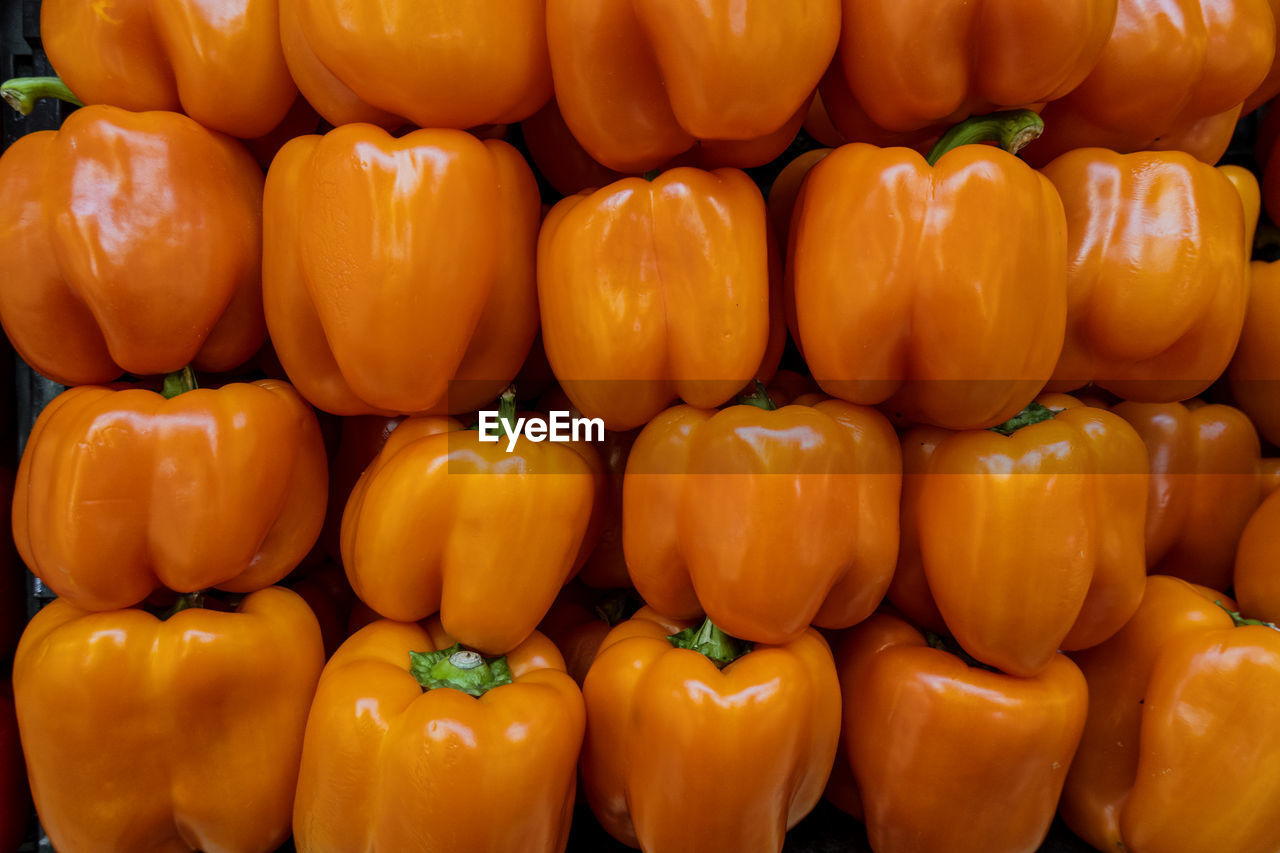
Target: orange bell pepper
[(1179, 748), (175, 735), (1254, 373), (1257, 568), (940, 289), (399, 62), (951, 757), (785, 191), (415, 743), (220, 63), (714, 502), (1028, 538), (557, 155), (103, 217), (122, 491), (972, 59), (1204, 486), (1173, 76), (641, 81), (1158, 278), (655, 290), (1269, 474), (398, 274), (443, 522), (706, 746)]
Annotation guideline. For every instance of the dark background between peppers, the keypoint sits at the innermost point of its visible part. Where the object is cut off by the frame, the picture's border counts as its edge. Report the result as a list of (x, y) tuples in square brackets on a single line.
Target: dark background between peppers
[(23, 394)]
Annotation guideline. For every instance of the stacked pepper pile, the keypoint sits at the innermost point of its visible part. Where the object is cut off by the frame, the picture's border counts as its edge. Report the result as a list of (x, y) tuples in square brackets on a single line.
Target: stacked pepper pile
[(300, 593)]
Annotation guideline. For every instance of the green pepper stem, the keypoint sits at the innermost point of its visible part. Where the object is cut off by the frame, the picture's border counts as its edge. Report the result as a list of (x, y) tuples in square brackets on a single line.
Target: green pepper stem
[(758, 397), (1241, 621), (21, 93), (1013, 130), (712, 643), (459, 669), (1034, 413), (187, 601), (179, 382)]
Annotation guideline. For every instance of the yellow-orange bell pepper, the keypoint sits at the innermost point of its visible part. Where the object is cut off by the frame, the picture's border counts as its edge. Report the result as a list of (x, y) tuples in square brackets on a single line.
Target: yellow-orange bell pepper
[(398, 274), (1158, 272), (940, 289), (130, 243), (714, 503), (397, 62), (1173, 76), (972, 58), (221, 63), (951, 757), (122, 491), (416, 744), (655, 290), (1205, 484), (442, 522), (175, 735), (641, 81), (1028, 538), (1179, 749), (1257, 569), (1254, 373), (685, 752)]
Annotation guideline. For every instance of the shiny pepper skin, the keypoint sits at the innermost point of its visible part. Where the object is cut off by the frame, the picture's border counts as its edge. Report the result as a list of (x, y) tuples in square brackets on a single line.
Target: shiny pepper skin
[(917, 64), (398, 273), (652, 290), (179, 735), (1254, 373), (641, 81), (1173, 76), (1158, 275), (951, 757), (102, 218), (1178, 754), (220, 63), (404, 62), (683, 757), (442, 522), (715, 502), (1257, 568), (1204, 486), (939, 290), (1027, 543), (122, 491), (389, 766)]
